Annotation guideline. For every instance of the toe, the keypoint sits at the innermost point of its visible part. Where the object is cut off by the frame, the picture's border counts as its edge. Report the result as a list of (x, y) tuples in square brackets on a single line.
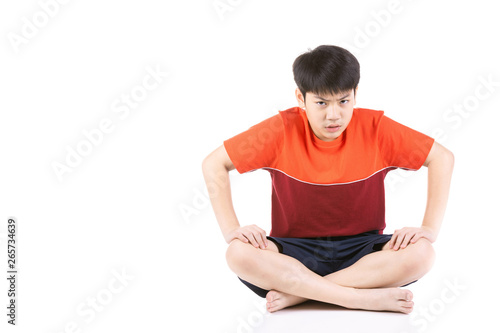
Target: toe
[(406, 304), (406, 295), (407, 310), (272, 307), (271, 296), (405, 307)]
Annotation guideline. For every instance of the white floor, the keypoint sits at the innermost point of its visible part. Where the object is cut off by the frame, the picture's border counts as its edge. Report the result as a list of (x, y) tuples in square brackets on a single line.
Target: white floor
[(444, 302), (319, 317)]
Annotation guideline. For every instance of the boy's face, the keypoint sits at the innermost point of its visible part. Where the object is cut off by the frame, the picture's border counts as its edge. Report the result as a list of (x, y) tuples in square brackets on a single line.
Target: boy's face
[(328, 115)]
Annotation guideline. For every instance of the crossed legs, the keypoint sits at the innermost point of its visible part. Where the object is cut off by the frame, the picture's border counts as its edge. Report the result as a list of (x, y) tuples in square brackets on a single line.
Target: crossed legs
[(371, 283)]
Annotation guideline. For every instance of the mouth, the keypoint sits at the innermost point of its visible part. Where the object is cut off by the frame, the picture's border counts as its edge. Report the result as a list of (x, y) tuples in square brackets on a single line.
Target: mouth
[(332, 128)]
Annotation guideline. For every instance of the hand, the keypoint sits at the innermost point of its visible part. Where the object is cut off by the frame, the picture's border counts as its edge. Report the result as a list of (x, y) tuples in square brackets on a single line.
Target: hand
[(403, 237), (248, 234)]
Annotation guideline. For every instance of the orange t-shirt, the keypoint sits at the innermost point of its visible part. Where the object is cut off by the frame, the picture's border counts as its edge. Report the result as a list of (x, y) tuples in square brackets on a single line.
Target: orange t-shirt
[(322, 189)]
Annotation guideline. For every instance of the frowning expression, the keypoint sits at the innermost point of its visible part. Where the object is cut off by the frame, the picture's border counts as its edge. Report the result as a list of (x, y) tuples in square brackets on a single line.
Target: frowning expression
[(328, 114)]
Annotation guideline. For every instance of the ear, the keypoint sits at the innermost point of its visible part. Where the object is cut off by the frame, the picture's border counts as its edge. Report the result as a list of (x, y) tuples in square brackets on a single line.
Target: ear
[(355, 94), (300, 98)]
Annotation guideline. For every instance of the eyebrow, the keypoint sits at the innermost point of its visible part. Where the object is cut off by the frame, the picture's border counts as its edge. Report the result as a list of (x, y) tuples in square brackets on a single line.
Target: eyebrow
[(338, 99)]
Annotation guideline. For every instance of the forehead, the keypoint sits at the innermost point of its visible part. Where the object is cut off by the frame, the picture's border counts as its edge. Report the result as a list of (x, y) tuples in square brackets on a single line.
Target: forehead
[(330, 96)]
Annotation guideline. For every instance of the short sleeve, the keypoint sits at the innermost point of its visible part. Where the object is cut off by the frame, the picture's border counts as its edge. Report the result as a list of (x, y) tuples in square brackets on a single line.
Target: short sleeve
[(258, 147), (402, 146)]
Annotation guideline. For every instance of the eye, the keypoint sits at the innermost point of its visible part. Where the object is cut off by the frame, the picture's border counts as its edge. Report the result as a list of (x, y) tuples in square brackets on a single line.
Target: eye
[(344, 101), (321, 103)]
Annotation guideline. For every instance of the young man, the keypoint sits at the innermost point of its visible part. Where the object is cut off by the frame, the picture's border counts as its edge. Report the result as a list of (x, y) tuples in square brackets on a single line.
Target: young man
[(328, 161)]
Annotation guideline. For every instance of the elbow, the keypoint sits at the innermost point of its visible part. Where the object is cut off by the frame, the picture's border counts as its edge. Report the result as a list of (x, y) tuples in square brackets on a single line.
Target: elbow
[(449, 158), (440, 157), (211, 164), (216, 163), (206, 164)]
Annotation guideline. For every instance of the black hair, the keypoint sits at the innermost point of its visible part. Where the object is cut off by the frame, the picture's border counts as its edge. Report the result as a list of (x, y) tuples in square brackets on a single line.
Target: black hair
[(326, 69)]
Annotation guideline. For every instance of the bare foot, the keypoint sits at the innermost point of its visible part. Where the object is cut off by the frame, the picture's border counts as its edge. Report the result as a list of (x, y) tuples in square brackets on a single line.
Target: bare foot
[(277, 300), (385, 299)]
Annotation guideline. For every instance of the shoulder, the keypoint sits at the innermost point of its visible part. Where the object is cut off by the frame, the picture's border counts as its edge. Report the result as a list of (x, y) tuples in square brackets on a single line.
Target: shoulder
[(294, 120), (291, 115), (366, 120), (367, 115)]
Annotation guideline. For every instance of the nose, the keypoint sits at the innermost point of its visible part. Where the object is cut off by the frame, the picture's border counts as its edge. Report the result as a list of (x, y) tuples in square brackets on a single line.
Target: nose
[(333, 113)]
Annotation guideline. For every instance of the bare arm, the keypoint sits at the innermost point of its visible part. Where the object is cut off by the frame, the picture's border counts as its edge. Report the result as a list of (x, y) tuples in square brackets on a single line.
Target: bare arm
[(216, 167), (440, 163), (440, 167)]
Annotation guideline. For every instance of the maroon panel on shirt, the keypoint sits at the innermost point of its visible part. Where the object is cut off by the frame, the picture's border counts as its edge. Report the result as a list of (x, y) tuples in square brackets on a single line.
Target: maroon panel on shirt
[(301, 209)]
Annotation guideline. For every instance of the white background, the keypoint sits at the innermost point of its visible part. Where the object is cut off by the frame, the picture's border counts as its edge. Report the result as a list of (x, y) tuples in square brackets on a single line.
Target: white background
[(120, 208)]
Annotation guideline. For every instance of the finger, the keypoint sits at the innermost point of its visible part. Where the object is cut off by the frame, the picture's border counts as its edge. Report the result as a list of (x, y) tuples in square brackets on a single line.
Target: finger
[(416, 237), (398, 242), (406, 239), (261, 240), (394, 239), (253, 240), (260, 237), (257, 237), (264, 238), (405, 242), (248, 238), (242, 237)]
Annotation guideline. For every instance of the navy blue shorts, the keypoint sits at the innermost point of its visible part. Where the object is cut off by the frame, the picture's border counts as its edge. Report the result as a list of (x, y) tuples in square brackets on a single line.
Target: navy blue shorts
[(327, 255)]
